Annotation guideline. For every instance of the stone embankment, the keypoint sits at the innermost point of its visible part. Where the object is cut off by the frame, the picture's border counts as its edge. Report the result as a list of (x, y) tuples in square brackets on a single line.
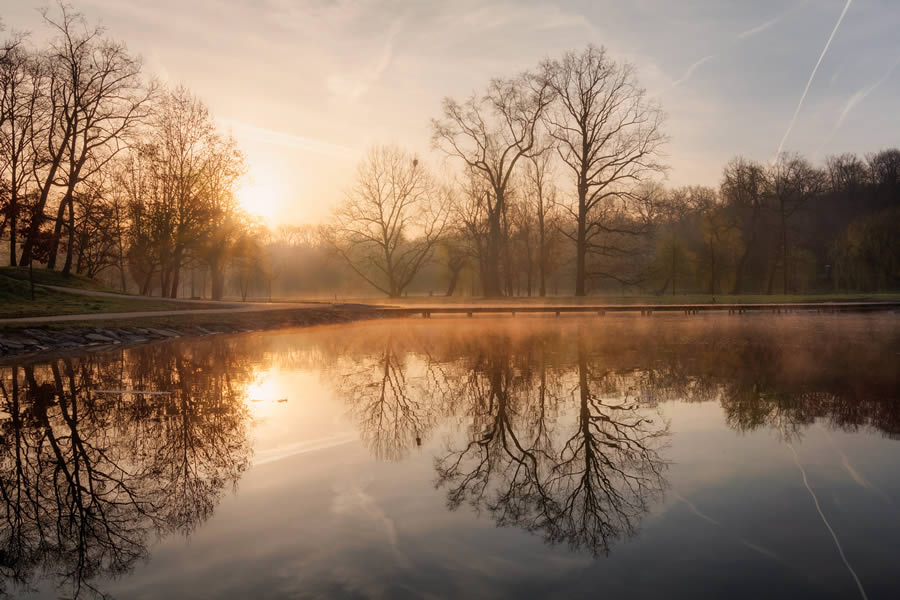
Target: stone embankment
[(16, 342)]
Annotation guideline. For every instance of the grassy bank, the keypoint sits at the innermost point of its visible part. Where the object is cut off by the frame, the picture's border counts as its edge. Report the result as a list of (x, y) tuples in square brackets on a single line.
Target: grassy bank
[(15, 297)]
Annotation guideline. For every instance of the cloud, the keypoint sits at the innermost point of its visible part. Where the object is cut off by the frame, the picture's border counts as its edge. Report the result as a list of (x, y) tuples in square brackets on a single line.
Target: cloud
[(355, 87), (768, 24), (690, 70), (287, 140), (854, 101), (810, 80), (741, 36), (860, 95)]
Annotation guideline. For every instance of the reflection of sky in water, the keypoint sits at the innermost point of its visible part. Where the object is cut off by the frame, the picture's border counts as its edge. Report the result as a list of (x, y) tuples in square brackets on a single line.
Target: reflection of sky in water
[(319, 515)]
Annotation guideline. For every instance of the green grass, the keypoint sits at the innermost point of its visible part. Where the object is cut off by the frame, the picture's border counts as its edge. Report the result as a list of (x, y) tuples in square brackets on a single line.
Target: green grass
[(44, 276), (611, 299), (15, 301)]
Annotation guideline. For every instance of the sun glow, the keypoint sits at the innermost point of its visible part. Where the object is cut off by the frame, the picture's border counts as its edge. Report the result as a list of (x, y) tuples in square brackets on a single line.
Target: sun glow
[(260, 194)]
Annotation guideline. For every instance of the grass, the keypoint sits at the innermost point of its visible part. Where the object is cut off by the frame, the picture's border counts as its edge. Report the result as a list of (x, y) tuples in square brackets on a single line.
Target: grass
[(15, 299), (611, 299), (44, 276)]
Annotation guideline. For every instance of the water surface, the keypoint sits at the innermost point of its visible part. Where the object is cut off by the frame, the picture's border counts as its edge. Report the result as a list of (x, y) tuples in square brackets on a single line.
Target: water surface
[(681, 457)]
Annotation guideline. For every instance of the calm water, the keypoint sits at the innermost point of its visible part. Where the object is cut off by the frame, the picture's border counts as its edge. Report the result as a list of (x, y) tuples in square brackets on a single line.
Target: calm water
[(739, 457)]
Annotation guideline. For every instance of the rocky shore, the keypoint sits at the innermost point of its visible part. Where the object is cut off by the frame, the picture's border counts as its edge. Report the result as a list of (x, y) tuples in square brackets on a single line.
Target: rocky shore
[(22, 342)]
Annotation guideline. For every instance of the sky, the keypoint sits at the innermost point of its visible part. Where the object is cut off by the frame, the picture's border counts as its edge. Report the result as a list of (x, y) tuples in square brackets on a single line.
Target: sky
[(306, 86)]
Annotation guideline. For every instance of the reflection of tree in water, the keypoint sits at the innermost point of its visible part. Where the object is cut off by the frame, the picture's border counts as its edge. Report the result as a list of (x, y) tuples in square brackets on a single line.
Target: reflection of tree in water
[(88, 480), (581, 468), (390, 407), (583, 479)]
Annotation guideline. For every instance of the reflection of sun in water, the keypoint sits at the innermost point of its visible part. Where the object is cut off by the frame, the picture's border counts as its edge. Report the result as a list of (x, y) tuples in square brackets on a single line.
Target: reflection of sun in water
[(260, 194), (262, 395)]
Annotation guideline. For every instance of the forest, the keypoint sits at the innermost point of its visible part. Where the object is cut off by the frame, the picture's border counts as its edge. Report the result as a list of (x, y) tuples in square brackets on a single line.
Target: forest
[(548, 182)]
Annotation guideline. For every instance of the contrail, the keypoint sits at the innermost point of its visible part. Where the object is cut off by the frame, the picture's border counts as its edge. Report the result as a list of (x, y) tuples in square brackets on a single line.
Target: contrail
[(854, 100), (811, 77), (690, 71)]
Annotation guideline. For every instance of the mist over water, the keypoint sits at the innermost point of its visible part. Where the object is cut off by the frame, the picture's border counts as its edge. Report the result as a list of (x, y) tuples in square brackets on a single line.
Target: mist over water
[(670, 456)]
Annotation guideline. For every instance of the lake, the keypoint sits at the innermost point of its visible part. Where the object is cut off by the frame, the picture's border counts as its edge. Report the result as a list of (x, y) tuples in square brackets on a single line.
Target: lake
[(532, 457)]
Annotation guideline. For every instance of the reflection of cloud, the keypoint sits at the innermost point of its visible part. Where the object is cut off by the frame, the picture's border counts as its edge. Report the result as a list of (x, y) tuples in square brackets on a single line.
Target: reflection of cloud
[(690, 71), (756, 547), (355, 501), (288, 140), (815, 499), (331, 441)]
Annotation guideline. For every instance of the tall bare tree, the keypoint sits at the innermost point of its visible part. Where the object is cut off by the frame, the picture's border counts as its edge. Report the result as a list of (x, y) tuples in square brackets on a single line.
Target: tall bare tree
[(387, 227), (21, 78), (489, 134), (609, 133), (106, 99)]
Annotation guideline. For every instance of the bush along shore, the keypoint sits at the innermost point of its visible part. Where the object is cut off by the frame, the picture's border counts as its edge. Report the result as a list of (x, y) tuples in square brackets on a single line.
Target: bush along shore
[(18, 341)]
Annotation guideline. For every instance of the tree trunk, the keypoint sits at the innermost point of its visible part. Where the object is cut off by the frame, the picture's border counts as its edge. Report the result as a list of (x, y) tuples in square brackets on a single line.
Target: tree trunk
[(454, 279), (67, 267), (581, 243), (13, 211), (38, 216), (542, 255), (491, 281), (57, 230), (674, 272), (784, 251), (176, 271)]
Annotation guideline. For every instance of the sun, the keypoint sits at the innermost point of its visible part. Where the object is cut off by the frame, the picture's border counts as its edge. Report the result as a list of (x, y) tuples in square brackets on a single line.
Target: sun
[(260, 194)]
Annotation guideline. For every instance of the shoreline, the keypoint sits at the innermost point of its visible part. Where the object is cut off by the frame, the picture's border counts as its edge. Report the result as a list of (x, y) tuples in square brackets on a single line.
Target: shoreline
[(34, 340)]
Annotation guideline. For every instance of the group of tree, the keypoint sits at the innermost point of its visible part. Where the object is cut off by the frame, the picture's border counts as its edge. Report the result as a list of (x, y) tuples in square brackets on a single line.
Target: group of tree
[(104, 170), (558, 174)]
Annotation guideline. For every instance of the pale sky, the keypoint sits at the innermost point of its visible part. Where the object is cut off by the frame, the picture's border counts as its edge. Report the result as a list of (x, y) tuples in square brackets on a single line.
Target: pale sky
[(307, 85)]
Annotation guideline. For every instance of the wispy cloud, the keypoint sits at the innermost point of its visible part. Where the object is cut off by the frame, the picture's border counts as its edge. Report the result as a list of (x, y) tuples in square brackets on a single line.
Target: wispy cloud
[(855, 100), (690, 70), (860, 95), (741, 36), (768, 24), (810, 80), (355, 87), (287, 140)]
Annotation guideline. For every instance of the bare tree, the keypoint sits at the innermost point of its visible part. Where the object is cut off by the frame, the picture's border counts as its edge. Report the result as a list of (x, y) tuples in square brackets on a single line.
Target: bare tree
[(105, 100), (743, 191), (609, 134), (794, 183), (490, 133), (541, 200), (21, 77), (387, 227)]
